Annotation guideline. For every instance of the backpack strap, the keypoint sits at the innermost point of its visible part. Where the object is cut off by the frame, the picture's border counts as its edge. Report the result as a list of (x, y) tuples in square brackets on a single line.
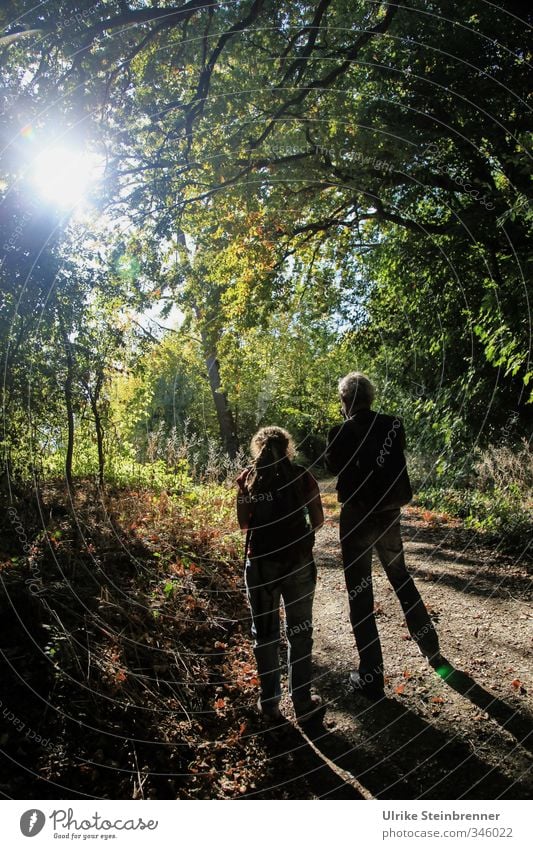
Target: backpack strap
[(247, 544)]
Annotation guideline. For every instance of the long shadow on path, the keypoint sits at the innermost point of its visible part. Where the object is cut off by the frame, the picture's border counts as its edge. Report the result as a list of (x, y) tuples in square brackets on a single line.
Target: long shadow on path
[(397, 754), (519, 724), (298, 770)]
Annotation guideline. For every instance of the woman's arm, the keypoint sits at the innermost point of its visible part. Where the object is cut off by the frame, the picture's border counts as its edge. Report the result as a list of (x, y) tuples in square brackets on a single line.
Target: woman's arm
[(314, 504), (243, 510), (243, 502)]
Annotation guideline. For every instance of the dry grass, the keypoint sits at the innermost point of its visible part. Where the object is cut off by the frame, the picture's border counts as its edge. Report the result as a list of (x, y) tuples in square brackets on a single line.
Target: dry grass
[(502, 467)]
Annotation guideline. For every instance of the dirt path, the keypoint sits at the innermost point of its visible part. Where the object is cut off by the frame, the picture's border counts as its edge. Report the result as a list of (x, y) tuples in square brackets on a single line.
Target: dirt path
[(468, 736)]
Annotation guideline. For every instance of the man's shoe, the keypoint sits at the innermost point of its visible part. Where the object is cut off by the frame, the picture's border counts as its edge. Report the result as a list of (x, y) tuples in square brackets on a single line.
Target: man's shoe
[(368, 689), (433, 656), (269, 711), (308, 708)]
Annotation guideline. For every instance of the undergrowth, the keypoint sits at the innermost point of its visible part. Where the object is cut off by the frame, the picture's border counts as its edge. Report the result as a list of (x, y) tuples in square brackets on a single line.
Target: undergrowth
[(493, 494), (125, 634)]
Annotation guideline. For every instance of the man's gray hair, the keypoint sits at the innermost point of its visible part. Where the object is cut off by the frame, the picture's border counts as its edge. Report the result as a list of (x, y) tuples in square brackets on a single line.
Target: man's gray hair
[(356, 390)]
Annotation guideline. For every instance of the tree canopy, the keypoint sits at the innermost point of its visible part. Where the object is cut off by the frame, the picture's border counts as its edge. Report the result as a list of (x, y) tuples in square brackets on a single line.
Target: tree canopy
[(311, 186)]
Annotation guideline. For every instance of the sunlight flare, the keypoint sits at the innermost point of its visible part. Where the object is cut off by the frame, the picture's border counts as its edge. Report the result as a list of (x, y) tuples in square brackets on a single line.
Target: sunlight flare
[(64, 176)]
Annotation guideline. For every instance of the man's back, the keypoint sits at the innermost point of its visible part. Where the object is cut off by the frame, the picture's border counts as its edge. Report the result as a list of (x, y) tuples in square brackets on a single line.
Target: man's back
[(367, 453)]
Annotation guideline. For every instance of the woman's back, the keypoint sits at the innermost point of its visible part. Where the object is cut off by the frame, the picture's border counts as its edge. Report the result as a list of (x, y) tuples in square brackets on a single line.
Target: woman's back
[(279, 524)]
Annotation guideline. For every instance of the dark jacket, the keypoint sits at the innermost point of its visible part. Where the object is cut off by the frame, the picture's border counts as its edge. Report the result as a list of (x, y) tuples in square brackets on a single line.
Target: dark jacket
[(367, 453)]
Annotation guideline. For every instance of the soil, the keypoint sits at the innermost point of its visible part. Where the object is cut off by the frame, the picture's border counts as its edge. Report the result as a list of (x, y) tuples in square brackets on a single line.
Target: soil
[(465, 733)]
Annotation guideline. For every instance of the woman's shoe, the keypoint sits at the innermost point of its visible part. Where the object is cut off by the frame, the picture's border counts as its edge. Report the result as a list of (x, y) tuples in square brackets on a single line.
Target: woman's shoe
[(308, 708), (367, 688), (269, 711)]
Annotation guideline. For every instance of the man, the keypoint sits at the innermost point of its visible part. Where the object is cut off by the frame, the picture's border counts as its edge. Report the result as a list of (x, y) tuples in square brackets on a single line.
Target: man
[(367, 454)]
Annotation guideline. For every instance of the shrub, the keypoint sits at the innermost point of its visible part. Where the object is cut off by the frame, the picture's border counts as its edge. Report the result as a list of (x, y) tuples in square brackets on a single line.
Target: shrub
[(493, 494)]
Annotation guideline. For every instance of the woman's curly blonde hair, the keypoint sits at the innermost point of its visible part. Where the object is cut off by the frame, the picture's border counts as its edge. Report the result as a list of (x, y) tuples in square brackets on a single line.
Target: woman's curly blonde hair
[(272, 450), (273, 440)]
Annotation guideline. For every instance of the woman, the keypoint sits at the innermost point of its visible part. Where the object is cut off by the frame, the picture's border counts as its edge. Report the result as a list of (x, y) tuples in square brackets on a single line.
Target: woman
[(279, 507)]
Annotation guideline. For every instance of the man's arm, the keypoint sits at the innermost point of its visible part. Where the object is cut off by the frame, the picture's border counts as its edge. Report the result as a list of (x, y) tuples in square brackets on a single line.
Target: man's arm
[(401, 433), (340, 449)]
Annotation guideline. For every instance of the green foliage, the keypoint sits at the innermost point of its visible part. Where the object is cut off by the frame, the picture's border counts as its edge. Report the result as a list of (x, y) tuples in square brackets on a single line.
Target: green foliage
[(123, 468), (501, 516), (493, 496), (315, 186)]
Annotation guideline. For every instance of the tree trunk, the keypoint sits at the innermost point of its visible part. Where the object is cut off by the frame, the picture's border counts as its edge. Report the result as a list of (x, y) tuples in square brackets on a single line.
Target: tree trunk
[(224, 414), (99, 439), (70, 413), (70, 407)]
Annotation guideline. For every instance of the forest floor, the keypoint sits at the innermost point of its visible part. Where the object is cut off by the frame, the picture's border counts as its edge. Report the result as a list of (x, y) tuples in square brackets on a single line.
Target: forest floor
[(127, 669)]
